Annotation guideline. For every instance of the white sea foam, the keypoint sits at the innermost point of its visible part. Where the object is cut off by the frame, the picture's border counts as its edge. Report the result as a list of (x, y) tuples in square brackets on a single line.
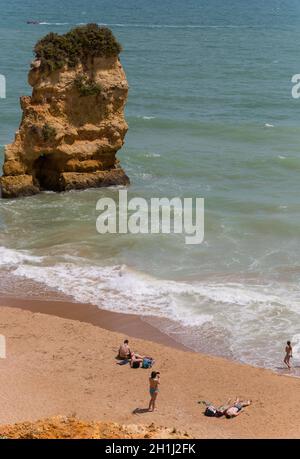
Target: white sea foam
[(54, 23), (296, 347), (152, 155), (123, 289), (236, 307), (117, 288), (85, 281), (11, 257)]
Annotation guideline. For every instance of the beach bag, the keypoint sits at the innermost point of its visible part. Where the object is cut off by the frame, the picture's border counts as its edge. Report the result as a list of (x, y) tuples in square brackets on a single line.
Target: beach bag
[(147, 363), (210, 411)]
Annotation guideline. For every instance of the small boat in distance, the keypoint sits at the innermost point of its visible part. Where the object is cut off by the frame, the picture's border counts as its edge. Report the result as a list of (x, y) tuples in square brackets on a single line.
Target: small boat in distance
[(33, 22)]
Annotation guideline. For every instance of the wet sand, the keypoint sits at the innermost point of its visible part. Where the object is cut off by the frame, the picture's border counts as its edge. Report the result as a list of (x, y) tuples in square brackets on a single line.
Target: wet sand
[(61, 366), (128, 324)]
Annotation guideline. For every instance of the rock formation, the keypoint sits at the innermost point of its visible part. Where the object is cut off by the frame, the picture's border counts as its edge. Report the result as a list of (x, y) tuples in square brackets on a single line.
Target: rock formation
[(73, 124), (63, 427)]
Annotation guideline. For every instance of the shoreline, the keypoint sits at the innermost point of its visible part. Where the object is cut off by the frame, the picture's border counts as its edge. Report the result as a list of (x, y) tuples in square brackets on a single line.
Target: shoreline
[(63, 367), (130, 325)]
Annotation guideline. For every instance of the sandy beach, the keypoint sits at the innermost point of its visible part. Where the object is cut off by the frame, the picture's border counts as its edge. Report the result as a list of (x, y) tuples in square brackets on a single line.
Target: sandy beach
[(149, 190), (63, 364)]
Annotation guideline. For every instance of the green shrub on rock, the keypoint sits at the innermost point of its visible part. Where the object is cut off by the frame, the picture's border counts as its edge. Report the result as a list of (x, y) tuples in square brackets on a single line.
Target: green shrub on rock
[(54, 50), (86, 86), (48, 132)]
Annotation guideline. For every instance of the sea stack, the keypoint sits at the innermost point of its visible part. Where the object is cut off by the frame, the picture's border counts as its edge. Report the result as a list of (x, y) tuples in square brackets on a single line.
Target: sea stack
[(73, 124)]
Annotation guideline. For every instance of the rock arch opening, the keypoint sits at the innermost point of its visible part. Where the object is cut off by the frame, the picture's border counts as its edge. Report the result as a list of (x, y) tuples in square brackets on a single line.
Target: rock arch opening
[(45, 177)]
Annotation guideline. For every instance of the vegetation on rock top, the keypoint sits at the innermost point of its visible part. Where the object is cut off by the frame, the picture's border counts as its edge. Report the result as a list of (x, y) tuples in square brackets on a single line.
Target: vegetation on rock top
[(77, 45)]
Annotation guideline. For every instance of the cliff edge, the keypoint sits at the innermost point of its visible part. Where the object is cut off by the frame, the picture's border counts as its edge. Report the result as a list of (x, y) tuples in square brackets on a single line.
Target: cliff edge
[(73, 124), (62, 427)]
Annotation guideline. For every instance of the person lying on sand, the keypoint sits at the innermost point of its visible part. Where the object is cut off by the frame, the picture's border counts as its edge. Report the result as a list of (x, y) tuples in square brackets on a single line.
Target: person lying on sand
[(213, 411), (230, 410), (288, 354), (136, 360), (154, 381), (236, 408), (124, 350)]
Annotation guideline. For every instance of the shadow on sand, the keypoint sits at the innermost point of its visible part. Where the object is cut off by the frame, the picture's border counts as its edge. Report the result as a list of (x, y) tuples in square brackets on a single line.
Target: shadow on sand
[(140, 411)]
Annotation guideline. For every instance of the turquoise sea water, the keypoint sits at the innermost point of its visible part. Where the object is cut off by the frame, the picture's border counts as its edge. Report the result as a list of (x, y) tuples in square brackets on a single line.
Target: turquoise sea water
[(210, 115)]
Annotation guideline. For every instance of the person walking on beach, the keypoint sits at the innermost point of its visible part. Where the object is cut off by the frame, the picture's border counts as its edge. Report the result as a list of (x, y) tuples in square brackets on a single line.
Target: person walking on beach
[(288, 354), (154, 381)]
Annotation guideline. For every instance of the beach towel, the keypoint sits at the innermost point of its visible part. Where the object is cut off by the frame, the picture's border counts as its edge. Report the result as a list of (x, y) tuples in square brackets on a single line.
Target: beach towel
[(123, 362)]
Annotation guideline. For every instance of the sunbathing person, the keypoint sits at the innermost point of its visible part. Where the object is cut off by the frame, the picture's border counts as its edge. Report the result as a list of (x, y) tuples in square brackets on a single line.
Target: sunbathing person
[(124, 351), (214, 411), (236, 408), (136, 360)]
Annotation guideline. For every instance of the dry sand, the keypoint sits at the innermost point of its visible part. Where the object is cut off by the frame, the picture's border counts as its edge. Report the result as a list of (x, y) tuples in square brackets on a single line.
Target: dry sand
[(57, 366)]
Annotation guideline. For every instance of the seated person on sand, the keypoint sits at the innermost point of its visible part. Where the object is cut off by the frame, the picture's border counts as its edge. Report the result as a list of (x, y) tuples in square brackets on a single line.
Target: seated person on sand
[(124, 351), (236, 408), (136, 360)]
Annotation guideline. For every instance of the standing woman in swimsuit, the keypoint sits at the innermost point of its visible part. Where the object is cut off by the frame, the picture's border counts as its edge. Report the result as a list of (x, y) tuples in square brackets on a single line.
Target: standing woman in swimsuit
[(288, 354), (154, 381)]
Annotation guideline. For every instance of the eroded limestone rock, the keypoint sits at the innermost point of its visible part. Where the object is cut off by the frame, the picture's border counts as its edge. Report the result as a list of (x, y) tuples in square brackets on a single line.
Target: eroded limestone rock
[(71, 129)]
